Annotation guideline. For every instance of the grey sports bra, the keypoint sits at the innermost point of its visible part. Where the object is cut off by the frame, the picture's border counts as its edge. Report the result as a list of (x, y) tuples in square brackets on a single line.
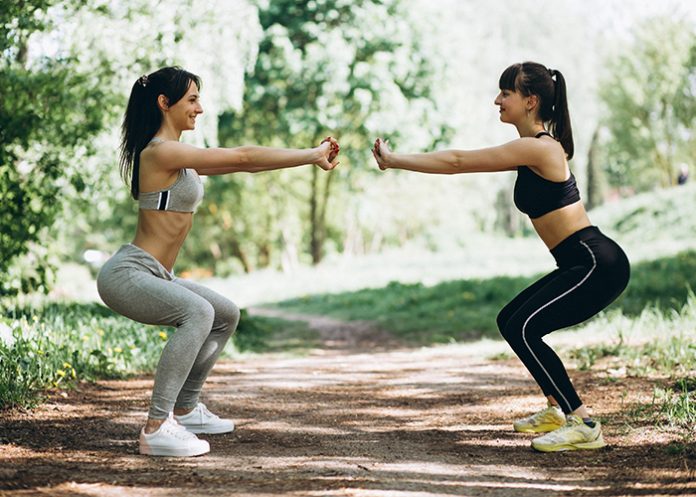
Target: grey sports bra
[(183, 196)]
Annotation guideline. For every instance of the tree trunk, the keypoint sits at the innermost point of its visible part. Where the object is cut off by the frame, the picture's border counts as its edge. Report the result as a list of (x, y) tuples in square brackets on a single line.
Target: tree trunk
[(508, 219), (314, 242), (596, 179), (318, 203), (22, 52), (239, 254)]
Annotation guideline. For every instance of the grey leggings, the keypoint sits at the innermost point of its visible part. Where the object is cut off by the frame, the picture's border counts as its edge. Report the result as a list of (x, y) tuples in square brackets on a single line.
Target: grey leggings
[(134, 284)]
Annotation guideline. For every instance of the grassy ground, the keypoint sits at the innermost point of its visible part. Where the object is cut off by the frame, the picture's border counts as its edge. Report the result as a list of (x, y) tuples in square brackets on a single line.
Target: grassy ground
[(418, 296), (649, 332), (465, 309), (55, 345)]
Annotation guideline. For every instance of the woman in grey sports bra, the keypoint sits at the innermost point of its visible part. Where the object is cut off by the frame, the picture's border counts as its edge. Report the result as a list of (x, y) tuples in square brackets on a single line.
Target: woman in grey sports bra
[(138, 282)]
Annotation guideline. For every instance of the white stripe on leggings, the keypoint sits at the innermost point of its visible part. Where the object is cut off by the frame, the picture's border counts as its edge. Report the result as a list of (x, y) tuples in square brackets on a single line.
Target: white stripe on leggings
[(524, 326)]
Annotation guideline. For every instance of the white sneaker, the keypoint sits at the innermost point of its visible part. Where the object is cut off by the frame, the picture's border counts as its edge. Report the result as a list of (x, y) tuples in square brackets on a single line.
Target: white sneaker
[(201, 420), (173, 440)]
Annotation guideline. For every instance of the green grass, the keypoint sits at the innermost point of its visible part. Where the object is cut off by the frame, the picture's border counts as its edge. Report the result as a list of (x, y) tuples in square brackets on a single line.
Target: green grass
[(652, 343), (418, 314), (273, 335), (664, 283), (655, 344), (58, 344), (466, 309), (678, 404)]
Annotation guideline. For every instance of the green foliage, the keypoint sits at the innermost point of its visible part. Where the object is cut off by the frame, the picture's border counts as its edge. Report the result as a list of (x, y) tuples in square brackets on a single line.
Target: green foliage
[(56, 345), (67, 87), (321, 69), (650, 105), (48, 116)]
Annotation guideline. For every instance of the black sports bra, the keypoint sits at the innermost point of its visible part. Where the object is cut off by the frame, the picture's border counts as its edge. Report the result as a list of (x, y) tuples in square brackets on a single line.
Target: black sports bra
[(536, 196)]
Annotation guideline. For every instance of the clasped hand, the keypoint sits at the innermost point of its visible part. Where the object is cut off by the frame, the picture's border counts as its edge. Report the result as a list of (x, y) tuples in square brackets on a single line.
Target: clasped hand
[(330, 148)]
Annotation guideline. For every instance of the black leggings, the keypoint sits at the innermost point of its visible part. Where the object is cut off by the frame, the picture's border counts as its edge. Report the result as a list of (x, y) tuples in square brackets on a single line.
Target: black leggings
[(592, 272)]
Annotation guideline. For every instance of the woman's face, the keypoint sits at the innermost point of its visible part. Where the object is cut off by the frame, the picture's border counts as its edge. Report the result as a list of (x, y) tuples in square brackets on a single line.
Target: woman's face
[(184, 112), (513, 106)]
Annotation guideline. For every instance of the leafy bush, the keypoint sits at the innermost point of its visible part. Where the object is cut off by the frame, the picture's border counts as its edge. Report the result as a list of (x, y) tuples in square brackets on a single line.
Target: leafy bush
[(56, 345)]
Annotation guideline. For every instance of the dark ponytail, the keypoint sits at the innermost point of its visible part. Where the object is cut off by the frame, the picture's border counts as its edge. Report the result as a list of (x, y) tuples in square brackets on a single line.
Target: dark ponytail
[(560, 122), (531, 78), (143, 117)]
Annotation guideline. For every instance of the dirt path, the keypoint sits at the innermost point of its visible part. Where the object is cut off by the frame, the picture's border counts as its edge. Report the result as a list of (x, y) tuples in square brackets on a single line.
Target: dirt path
[(350, 419)]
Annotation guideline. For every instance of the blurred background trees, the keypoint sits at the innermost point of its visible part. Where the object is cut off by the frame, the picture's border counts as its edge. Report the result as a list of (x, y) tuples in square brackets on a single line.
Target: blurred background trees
[(321, 69), (283, 73), (648, 94), (49, 113)]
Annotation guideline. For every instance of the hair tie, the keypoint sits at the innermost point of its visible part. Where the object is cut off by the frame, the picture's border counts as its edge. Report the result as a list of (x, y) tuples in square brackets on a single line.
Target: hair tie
[(143, 81)]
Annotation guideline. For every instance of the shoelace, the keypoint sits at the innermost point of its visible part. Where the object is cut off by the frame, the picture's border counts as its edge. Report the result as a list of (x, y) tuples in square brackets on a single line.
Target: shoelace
[(559, 433), (537, 417), (171, 427), (205, 413)]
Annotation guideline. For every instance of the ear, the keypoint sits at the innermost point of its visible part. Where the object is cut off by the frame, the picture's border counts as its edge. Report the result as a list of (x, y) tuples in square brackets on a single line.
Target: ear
[(162, 103), (532, 102)]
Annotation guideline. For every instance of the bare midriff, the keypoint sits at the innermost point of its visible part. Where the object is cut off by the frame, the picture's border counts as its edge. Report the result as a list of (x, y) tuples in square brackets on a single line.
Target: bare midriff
[(162, 233), (557, 225)]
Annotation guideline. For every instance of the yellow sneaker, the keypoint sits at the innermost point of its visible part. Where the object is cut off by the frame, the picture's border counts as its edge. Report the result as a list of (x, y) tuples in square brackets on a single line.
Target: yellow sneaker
[(575, 435), (549, 419)]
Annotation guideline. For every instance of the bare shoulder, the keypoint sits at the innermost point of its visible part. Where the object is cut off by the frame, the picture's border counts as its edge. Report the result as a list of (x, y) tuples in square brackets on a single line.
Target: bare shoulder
[(169, 155), (552, 162), (530, 151)]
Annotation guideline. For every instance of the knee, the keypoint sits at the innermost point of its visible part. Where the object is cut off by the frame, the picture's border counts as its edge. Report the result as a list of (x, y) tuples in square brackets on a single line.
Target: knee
[(202, 314), (227, 316), (506, 326), (501, 321), (231, 317), (510, 330)]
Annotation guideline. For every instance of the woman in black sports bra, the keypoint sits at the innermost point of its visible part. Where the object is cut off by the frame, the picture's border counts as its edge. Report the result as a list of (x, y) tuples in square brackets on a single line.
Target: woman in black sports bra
[(592, 270)]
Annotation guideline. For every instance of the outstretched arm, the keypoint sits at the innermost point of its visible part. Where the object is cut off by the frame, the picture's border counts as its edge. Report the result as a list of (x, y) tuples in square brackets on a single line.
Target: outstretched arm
[(523, 151), (251, 159)]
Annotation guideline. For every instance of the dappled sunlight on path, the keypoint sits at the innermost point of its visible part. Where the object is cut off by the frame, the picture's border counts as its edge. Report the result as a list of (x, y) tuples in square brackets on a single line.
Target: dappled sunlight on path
[(432, 421)]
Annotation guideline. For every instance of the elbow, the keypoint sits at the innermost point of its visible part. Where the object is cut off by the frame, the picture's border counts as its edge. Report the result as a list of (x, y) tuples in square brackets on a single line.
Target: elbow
[(456, 162), (243, 157)]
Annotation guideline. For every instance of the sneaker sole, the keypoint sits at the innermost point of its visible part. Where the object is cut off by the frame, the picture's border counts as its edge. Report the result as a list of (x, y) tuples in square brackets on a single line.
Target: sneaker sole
[(171, 452), (537, 429), (597, 444)]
